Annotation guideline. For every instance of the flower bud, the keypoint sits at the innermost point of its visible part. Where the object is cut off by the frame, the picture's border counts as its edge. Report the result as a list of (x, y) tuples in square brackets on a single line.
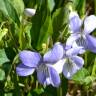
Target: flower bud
[(29, 12)]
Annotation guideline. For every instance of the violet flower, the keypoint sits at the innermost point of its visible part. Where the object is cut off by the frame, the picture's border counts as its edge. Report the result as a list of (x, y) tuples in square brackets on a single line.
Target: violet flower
[(46, 73), (81, 36), (72, 62)]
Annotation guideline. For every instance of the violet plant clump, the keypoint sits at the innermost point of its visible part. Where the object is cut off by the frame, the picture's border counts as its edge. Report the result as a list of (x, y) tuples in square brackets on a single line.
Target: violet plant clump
[(62, 58), (80, 32), (48, 67)]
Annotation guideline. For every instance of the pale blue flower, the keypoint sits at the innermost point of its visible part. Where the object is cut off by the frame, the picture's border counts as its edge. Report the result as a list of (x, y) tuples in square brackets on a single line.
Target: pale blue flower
[(46, 73), (80, 32), (72, 62)]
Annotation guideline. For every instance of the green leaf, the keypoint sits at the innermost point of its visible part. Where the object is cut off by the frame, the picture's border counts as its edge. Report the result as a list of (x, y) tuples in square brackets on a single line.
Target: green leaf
[(18, 5), (2, 75), (3, 57), (41, 26), (3, 32), (88, 80), (9, 11), (51, 4), (80, 76), (59, 19), (8, 94), (39, 91), (45, 32), (80, 6)]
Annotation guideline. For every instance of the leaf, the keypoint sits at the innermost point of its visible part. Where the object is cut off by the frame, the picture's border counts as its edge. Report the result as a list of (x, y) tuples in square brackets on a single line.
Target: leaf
[(8, 94), (18, 5), (80, 76), (39, 90), (59, 19), (50, 91), (2, 75), (51, 4), (89, 79), (3, 32), (41, 26), (3, 57), (9, 11), (80, 6), (45, 32)]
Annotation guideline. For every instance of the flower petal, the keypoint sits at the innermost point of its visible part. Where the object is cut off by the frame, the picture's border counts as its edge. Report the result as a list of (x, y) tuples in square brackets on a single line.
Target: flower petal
[(54, 77), (78, 61), (41, 77), (91, 43), (29, 58), (58, 66), (89, 24), (74, 22), (55, 54), (73, 51), (23, 70), (76, 46), (43, 74), (69, 69), (72, 39)]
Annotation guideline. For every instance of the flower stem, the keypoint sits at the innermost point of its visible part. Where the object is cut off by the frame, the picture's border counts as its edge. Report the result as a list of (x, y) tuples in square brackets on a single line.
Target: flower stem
[(36, 84), (94, 68), (95, 6)]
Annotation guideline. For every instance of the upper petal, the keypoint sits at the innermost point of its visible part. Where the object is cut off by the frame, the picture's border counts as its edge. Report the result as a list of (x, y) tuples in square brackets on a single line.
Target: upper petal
[(54, 77), (91, 43), (29, 58), (73, 51), (55, 54), (89, 24), (74, 22), (23, 70)]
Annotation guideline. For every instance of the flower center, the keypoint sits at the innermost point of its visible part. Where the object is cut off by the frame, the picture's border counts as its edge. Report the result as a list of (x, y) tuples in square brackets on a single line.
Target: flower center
[(82, 40), (43, 68)]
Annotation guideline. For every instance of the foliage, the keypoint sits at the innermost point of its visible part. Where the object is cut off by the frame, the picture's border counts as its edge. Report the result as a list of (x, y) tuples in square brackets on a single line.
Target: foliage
[(38, 33)]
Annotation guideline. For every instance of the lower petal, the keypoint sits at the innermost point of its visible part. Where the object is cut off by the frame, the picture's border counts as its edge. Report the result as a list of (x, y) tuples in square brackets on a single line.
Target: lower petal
[(23, 70), (43, 74), (69, 69), (41, 77), (54, 77), (91, 43)]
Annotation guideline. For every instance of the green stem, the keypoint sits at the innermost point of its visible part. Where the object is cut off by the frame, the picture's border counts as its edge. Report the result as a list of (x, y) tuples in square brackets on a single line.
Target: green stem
[(59, 91), (20, 37), (95, 6), (36, 84), (94, 68), (85, 57)]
